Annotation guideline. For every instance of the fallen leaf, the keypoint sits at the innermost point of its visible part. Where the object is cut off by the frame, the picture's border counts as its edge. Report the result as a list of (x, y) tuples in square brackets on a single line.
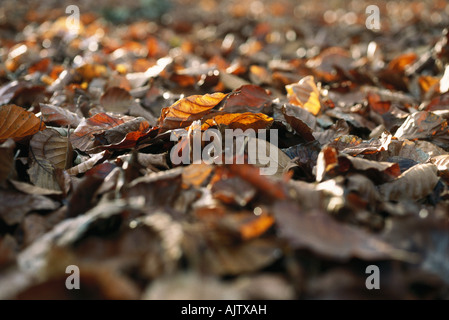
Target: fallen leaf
[(425, 125), (322, 235), (50, 145), (59, 116), (300, 120), (83, 138), (7, 169), (305, 94), (244, 121), (183, 112), (415, 183), (116, 99), (16, 205), (17, 123), (247, 98)]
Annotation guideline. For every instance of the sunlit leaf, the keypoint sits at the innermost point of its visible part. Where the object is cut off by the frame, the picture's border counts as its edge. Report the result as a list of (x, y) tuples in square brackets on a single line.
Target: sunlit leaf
[(183, 112), (244, 121), (90, 71), (399, 63), (425, 125), (305, 94)]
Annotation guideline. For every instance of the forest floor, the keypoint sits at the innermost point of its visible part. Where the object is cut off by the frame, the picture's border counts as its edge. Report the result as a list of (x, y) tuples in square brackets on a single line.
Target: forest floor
[(102, 120)]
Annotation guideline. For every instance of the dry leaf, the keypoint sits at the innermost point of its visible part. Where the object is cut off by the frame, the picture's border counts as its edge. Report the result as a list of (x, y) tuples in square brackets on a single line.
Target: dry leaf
[(305, 94), (183, 112), (50, 145), (321, 234), (415, 183), (59, 116), (17, 123)]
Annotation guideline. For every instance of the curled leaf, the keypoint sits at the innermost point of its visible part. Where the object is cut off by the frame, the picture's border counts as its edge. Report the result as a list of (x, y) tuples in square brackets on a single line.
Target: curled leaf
[(83, 137), (59, 116), (415, 183), (244, 121), (248, 98), (305, 94), (183, 112)]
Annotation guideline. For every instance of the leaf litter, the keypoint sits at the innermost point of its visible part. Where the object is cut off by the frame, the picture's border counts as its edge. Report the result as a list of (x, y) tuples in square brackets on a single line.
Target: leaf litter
[(87, 170)]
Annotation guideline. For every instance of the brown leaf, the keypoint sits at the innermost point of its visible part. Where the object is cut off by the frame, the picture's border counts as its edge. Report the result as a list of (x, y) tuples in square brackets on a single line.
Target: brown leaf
[(50, 145), (223, 258), (300, 120), (340, 128), (183, 112), (246, 225), (59, 116), (328, 60), (196, 175), (16, 205), (376, 104), (233, 191), (124, 135), (17, 123), (376, 170), (116, 99), (425, 125), (415, 183), (7, 169), (248, 98), (88, 164), (83, 137), (322, 235), (42, 174)]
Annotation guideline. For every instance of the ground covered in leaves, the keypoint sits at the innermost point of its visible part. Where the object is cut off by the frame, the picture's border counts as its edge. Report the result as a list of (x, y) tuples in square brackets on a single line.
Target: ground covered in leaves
[(361, 162)]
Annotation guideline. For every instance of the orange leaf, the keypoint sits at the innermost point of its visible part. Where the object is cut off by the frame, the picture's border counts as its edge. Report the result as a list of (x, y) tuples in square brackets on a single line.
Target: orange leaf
[(247, 120), (18, 123), (256, 227), (305, 94), (399, 63), (376, 104), (184, 111)]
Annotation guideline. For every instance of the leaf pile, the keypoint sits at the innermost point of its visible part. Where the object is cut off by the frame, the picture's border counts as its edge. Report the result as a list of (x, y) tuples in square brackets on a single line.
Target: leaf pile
[(93, 123)]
